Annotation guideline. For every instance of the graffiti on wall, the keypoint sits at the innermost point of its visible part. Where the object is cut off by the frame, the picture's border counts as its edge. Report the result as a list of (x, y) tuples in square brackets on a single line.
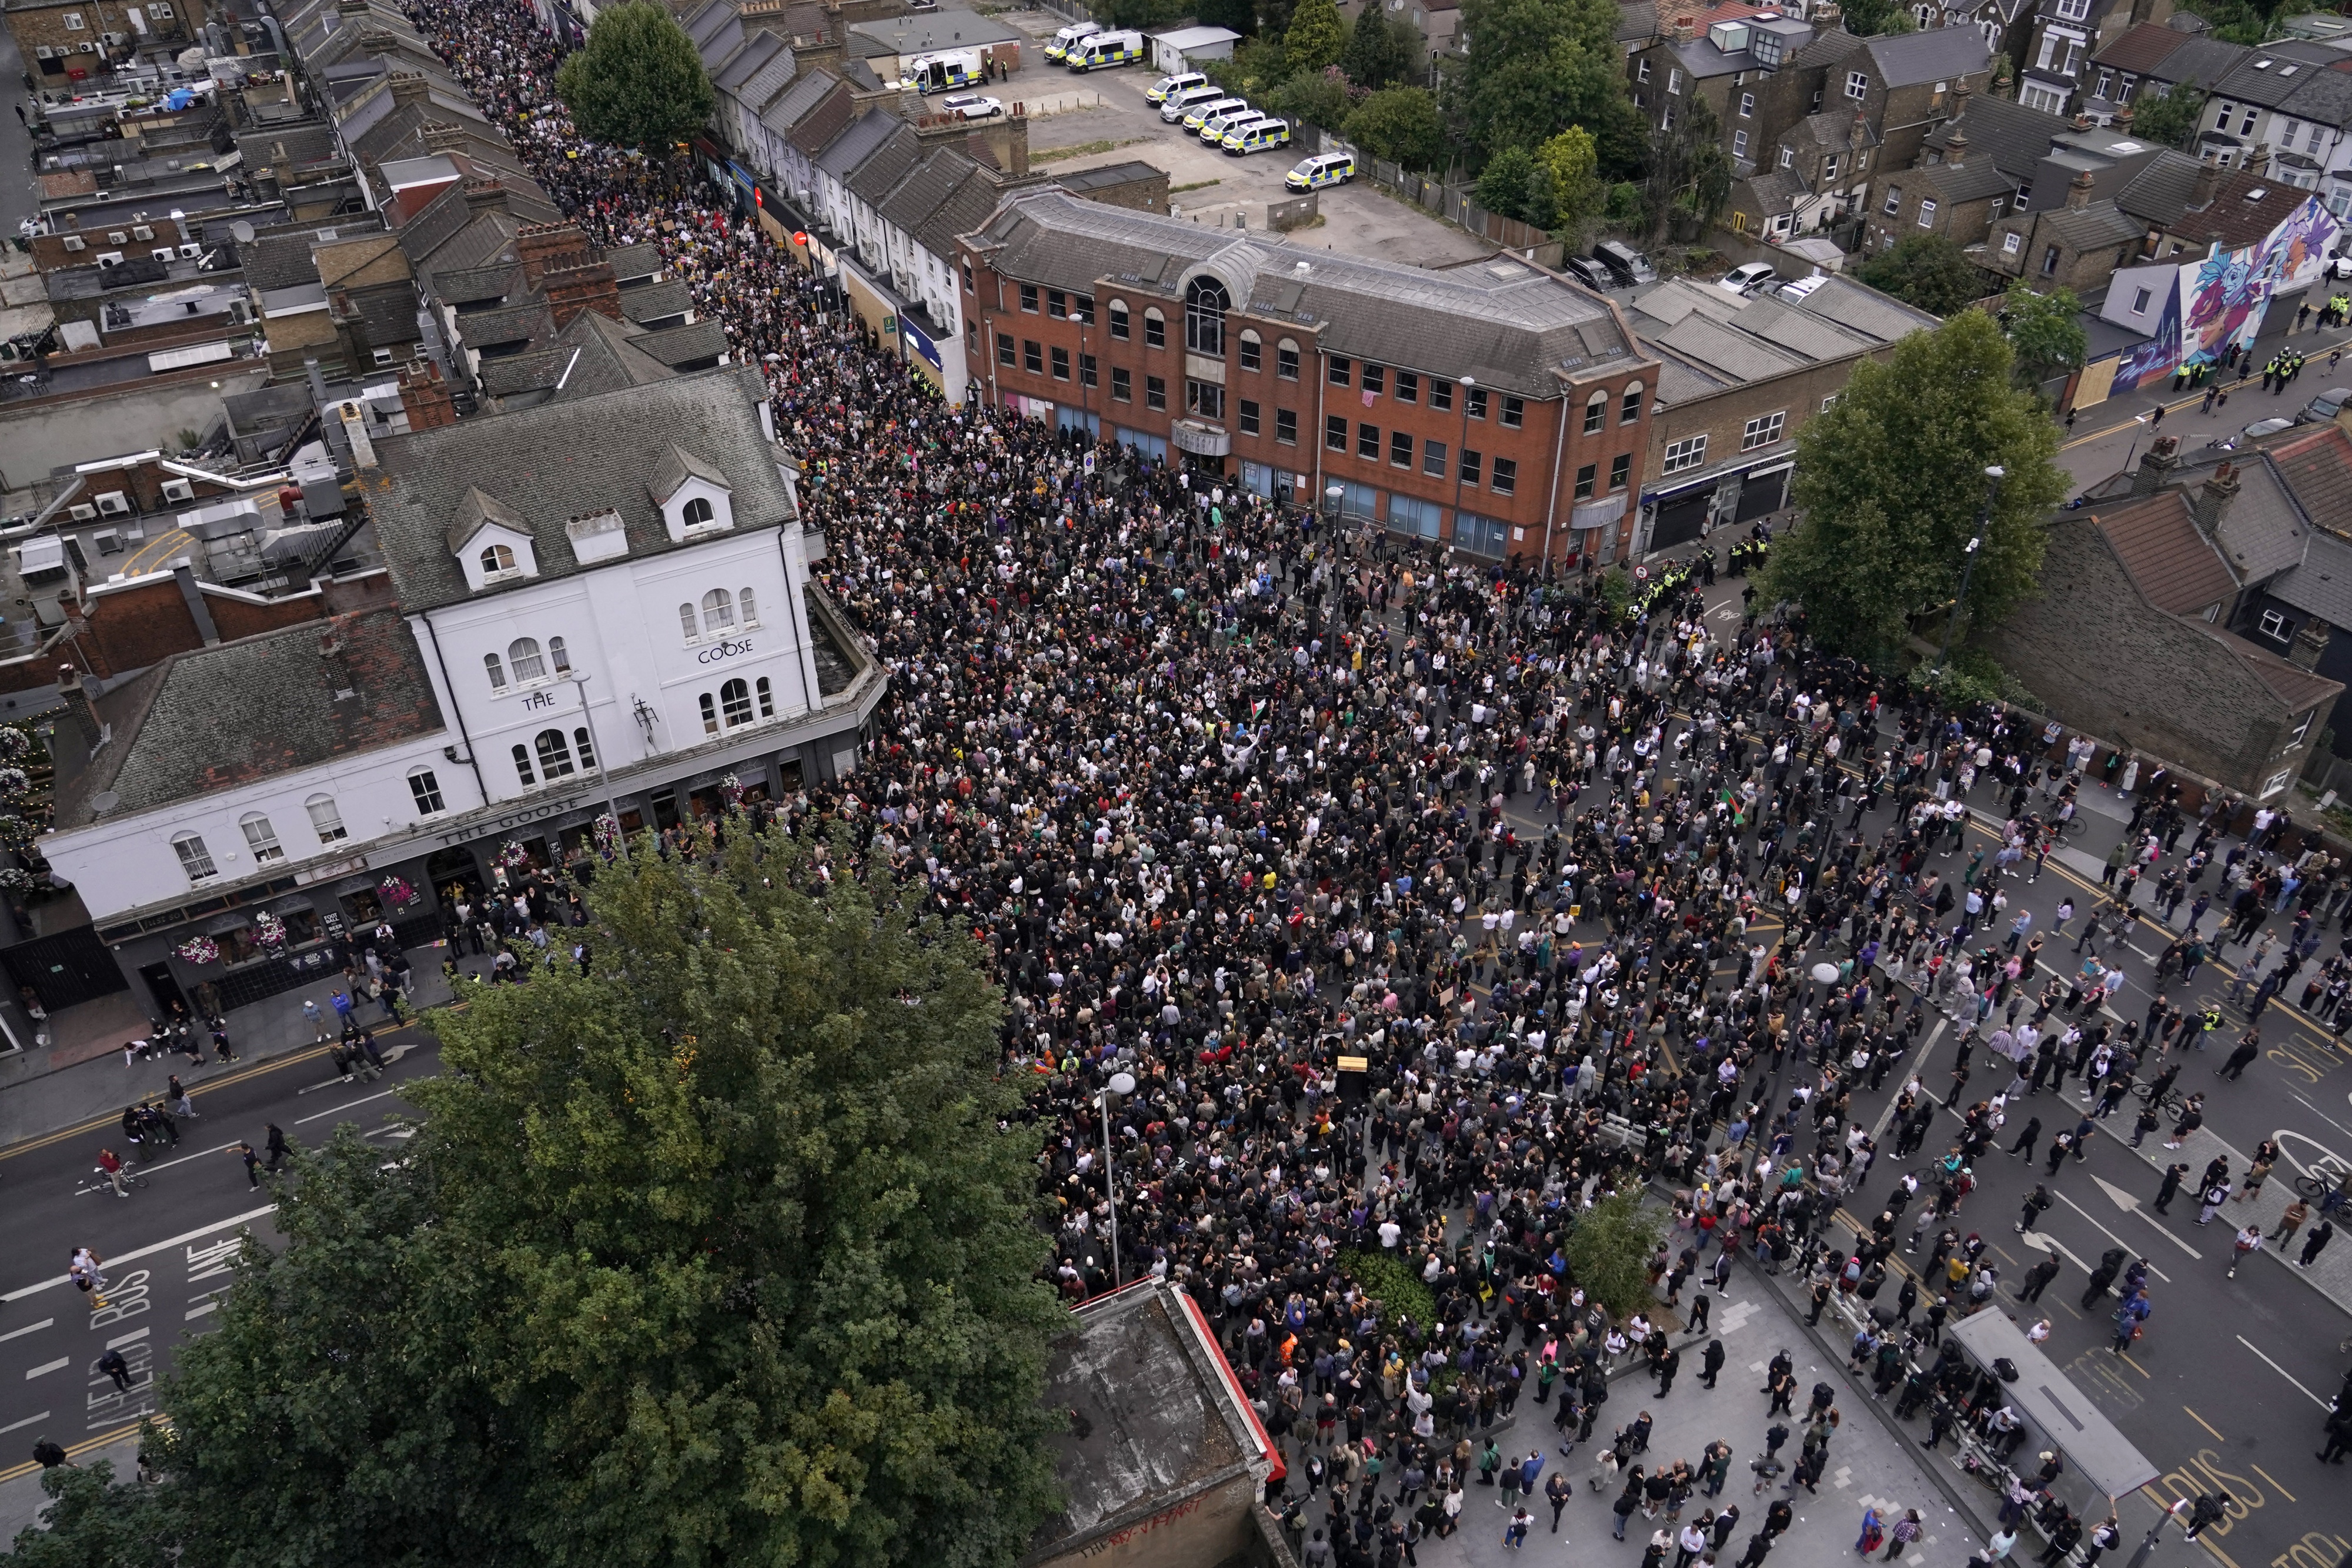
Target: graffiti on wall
[(2218, 302)]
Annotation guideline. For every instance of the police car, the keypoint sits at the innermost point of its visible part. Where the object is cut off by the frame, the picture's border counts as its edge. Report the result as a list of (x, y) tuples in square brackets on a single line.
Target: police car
[(1255, 136), (1323, 169)]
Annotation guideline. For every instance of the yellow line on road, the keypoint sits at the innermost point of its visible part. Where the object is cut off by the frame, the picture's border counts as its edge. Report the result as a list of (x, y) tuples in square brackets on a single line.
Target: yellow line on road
[(2273, 1480), (2207, 1424), (170, 542), (76, 1450)]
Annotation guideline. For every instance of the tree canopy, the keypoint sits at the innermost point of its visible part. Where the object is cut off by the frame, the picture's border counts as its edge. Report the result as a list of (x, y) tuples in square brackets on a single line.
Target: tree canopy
[(2045, 332), (721, 1252), (1689, 170), (1889, 480), (1926, 270), (1533, 68), (2168, 118), (1315, 36), (1400, 124), (638, 81), (1381, 51)]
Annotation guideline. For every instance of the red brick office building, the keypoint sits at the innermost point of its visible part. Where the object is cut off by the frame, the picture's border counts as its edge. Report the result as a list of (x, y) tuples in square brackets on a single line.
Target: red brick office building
[(1495, 406)]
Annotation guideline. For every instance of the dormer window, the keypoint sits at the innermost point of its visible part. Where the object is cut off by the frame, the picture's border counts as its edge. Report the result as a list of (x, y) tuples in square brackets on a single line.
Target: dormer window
[(694, 496), (697, 513), (491, 540), (498, 560)]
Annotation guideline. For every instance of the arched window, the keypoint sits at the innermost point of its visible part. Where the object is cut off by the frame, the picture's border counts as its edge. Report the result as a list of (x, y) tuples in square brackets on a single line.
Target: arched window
[(743, 604), (556, 656), (1596, 412), (587, 749), (522, 766), (496, 559), (325, 820), (261, 838), (767, 697), (687, 623), (697, 512), (554, 754), (709, 715), (735, 698), (1205, 304), (194, 859), (522, 654), (1631, 409), (1155, 327), (497, 672), (718, 609), (1252, 351), (1118, 320)]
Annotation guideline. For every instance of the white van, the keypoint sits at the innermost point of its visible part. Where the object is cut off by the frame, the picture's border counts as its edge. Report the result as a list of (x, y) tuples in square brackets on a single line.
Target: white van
[(1158, 92), (1222, 119), (1177, 105), (1198, 115), (1059, 46), (1106, 49), (1258, 135)]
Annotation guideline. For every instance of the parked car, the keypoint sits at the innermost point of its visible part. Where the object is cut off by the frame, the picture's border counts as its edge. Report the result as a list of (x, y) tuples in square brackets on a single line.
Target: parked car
[(1747, 279), (2323, 407), (1590, 273), (1798, 288), (971, 106), (1630, 265), (1321, 170), (2254, 431)]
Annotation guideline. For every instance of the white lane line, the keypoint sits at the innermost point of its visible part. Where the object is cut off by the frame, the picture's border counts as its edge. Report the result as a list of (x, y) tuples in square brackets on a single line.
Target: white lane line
[(63, 1361), (194, 1312), (19, 1293), (2283, 1372), (28, 1421), (133, 1337), (159, 1165), (28, 1328), (2113, 1237), (340, 1109), (2324, 1115)]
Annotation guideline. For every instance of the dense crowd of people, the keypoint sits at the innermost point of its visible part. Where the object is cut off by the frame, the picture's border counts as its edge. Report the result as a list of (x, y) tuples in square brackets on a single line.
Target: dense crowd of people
[(1231, 798)]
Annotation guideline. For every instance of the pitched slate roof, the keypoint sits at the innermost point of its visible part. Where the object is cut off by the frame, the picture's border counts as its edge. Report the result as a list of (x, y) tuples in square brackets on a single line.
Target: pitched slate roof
[(853, 146), (593, 354), (1970, 181), (657, 301), (2322, 585), (2247, 205), (1940, 54), (217, 718), (2141, 48), (2085, 229), (2326, 97), (569, 459), (2317, 468), (2013, 137), (2160, 193), (1506, 322), (689, 344)]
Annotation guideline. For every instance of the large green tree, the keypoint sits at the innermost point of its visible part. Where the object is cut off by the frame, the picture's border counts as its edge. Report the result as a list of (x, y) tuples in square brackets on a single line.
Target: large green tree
[(1689, 170), (1889, 480), (723, 1253), (1400, 124), (1535, 68), (1929, 271), (1381, 51), (2168, 118), (637, 82), (1317, 34), (2045, 332)]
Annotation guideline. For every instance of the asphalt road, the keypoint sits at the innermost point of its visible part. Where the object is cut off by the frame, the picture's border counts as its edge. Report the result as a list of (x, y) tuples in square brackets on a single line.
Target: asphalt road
[(168, 1247)]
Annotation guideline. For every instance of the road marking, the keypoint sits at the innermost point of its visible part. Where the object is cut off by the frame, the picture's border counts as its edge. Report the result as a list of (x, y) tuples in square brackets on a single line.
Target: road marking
[(2113, 1237), (133, 1337), (28, 1421), (2130, 1204), (28, 1328), (340, 1109), (2136, 1366), (2283, 1372), (163, 1165), (196, 1312), (88, 1444), (164, 1246), (2325, 1116), (2204, 1423), (48, 1366), (2041, 1243), (2273, 1480)]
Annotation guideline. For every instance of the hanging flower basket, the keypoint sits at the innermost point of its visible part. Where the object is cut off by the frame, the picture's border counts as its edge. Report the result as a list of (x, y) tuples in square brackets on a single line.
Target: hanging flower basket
[(396, 891), (15, 744), (513, 856), (270, 931), (15, 879), (15, 830), (199, 950), (13, 782), (608, 836), (732, 788)]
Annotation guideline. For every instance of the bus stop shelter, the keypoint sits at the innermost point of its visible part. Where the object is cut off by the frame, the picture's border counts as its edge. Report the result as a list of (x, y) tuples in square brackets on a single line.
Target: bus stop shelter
[(2058, 1415)]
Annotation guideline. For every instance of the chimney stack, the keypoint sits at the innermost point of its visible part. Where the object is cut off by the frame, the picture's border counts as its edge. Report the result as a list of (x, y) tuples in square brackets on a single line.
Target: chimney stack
[(2209, 175), (78, 702), (2078, 190), (2213, 497), (2156, 467), (1955, 151), (2310, 642)]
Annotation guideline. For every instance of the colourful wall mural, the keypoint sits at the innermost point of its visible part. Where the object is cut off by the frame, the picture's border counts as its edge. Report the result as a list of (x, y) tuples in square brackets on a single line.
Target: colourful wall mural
[(2218, 300)]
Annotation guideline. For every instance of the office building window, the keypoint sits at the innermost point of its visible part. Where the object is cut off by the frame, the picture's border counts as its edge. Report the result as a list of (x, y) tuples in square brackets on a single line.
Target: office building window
[(1341, 371), (1762, 432), (1376, 379), (1620, 468), (1252, 351), (1033, 357), (1401, 448), (1505, 478), (1122, 384), (1087, 372), (1514, 412), (1029, 297), (1206, 399), (1585, 477), (1433, 458), (1687, 453), (1477, 404), (1249, 417), (1285, 426), (1472, 462), (1408, 387), (1441, 394), (1596, 413), (1630, 409), (1061, 363), (1367, 442), (1155, 327), (1155, 393), (1118, 329), (1335, 433), (1285, 360), (1005, 350)]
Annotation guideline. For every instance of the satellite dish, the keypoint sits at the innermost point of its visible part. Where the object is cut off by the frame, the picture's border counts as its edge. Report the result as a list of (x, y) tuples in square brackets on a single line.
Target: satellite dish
[(1825, 973), (241, 231), (105, 801)]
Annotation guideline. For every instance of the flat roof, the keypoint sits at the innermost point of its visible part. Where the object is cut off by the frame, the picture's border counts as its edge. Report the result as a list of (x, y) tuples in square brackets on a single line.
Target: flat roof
[(2063, 1413)]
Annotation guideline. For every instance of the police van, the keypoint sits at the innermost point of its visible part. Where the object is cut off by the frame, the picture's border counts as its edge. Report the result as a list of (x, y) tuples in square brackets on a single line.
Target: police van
[(1323, 169), (1222, 119), (1198, 115), (1255, 136), (1158, 92), (943, 72), (1058, 47), (1177, 105), (1106, 49)]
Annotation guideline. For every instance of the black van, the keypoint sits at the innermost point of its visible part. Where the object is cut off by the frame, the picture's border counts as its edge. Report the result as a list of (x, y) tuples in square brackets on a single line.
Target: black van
[(1630, 265)]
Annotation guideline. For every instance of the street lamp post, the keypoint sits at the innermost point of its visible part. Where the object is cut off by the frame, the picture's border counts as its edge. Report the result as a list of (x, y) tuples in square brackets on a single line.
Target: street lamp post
[(1994, 477), (1121, 1085)]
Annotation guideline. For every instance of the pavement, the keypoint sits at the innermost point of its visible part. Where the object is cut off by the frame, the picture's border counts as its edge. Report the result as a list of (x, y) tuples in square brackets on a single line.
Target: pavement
[(23, 1503)]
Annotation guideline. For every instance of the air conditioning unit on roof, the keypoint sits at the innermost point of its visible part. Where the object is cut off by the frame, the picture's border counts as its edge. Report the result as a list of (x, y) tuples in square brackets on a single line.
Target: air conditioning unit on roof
[(179, 490), (82, 513)]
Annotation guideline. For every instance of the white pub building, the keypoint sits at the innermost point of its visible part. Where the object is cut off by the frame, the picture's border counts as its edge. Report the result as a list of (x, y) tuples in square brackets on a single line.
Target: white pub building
[(599, 603)]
